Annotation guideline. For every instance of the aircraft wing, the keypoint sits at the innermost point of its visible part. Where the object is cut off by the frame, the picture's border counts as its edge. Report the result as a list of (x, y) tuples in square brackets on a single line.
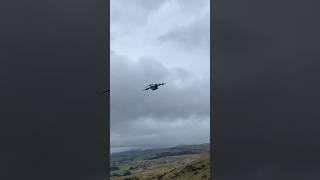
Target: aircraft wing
[(149, 85)]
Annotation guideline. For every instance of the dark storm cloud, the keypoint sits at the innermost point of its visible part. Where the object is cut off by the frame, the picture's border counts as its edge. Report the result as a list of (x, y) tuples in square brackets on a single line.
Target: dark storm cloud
[(266, 98), (53, 68)]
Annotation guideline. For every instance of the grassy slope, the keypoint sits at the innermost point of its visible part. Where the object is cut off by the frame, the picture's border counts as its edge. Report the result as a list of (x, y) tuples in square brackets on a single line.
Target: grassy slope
[(159, 164), (198, 169)]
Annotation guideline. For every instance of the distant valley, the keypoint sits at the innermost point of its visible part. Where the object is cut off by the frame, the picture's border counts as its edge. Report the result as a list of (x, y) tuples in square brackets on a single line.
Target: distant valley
[(186, 162)]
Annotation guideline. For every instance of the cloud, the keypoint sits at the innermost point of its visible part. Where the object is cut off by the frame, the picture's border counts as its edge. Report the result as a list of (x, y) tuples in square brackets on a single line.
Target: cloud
[(172, 110), (127, 15), (179, 111), (193, 36), (157, 132)]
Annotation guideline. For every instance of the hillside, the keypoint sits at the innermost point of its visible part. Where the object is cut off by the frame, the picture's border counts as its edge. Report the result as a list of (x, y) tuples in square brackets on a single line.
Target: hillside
[(181, 162), (198, 169)]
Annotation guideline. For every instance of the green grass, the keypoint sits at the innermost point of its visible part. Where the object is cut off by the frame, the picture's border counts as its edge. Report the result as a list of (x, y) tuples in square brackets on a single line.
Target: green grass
[(192, 167), (198, 169), (188, 162)]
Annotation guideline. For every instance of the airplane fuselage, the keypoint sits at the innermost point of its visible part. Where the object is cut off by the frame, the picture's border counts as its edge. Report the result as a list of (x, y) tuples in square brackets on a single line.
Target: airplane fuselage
[(154, 87)]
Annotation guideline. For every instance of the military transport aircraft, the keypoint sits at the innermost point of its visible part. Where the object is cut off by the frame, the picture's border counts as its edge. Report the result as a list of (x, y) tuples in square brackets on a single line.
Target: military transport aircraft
[(153, 86)]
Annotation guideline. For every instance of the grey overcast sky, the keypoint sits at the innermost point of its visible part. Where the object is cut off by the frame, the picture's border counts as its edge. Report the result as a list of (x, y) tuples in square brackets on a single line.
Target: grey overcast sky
[(159, 41)]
